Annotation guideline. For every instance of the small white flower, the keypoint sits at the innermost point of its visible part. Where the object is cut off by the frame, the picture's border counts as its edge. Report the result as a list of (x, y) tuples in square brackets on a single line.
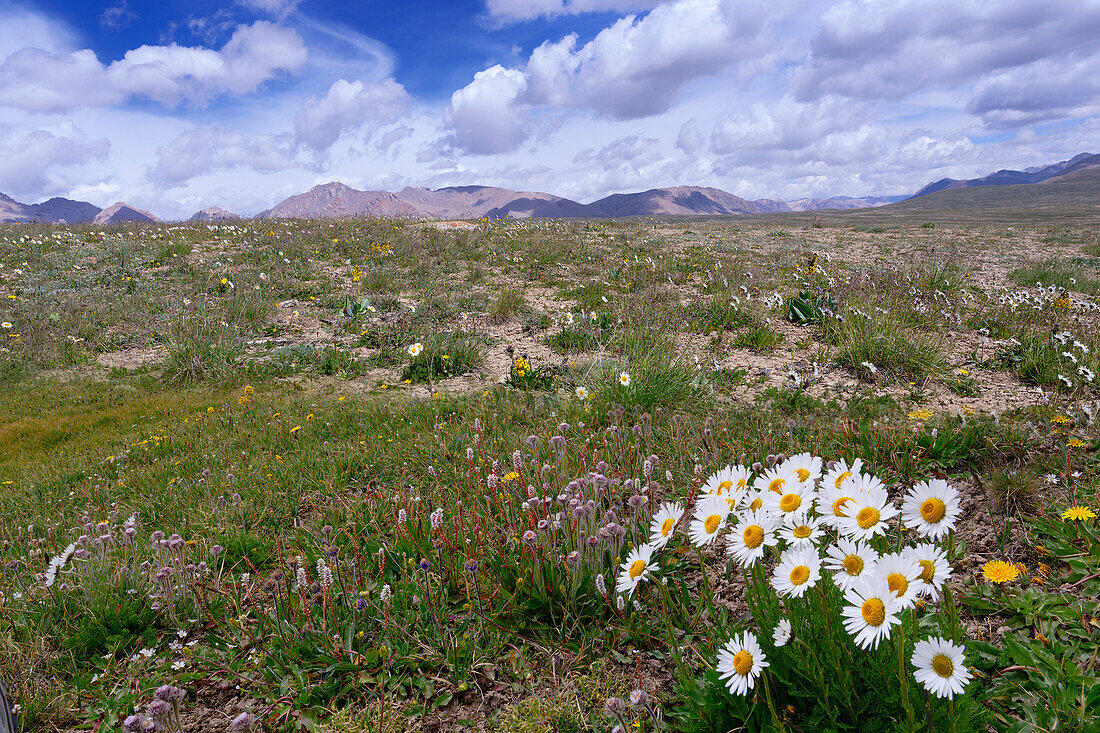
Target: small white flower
[(782, 633), (624, 379), (415, 349)]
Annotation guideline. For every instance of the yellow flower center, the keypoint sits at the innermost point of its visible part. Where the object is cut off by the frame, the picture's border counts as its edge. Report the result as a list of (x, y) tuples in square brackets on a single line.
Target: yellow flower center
[(800, 575), (636, 568), (776, 485), (803, 474), (868, 517), (933, 510), (725, 486), (666, 526), (898, 583), (753, 536), (942, 665), (874, 612), (853, 565), (838, 506), (711, 523), (790, 502), (801, 532), (742, 663), (741, 483), (842, 478), (756, 504), (928, 570)]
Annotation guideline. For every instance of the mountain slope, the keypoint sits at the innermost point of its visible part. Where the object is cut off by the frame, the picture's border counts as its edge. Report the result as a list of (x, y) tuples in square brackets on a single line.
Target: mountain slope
[(213, 213), (1077, 193), (1038, 174), (122, 212), (54, 210), (682, 201)]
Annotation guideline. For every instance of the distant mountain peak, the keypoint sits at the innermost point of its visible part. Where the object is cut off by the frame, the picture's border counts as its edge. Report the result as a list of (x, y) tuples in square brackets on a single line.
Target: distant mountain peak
[(56, 210), (121, 212), (1007, 177)]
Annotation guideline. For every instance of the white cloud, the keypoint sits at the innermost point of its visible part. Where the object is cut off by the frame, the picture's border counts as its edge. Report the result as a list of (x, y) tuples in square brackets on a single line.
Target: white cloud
[(349, 105), (117, 16), (690, 140), (275, 8), (32, 157), (865, 49), (484, 114), (42, 81), (635, 68), (520, 10), (203, 150)]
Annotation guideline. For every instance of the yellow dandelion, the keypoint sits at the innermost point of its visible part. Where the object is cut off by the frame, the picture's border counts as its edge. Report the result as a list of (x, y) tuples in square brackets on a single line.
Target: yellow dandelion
[(1078, 513), (1000, 571), (920, 414), (1075, 443)]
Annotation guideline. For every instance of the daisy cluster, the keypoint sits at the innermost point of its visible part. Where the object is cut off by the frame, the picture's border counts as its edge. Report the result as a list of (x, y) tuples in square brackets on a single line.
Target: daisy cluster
[(813, 524)]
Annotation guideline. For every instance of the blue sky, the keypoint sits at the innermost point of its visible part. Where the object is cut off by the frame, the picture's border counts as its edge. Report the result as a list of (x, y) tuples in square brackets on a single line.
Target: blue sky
[(174, 106)]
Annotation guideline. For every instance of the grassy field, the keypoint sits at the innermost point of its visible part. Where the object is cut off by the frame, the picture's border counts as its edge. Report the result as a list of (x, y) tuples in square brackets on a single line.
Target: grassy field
[(385, 476)]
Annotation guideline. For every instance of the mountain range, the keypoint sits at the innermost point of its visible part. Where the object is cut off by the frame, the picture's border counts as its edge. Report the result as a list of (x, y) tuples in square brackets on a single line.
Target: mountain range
[(1038, 174), (332, 200)]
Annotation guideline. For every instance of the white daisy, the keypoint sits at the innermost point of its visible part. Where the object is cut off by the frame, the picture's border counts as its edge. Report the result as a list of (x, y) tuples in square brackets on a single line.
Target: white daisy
[(901, 573), (805, 466), (753, 532), (753, 500), (775, 480), (872, 611), (840, 473), (941, 667), (782, 633), (635, 569), (415, 349), (624, 379), (793, 497), (931, 508), (799, 528), (582, 393), (664, 523), (832, 501), (868, 512), (731, 482), (850, 561), (740, 662), (934, 569), (711, 513), (798, 569)]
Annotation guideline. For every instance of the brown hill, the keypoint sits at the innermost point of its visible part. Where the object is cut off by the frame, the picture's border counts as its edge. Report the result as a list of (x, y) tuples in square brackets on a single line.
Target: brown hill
[(213, 213), (56, 210), (683, 201), (122, 212), (1005, 177)]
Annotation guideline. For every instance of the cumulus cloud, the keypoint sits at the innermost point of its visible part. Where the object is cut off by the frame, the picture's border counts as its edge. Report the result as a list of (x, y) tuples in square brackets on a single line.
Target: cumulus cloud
[(388, 141), (520, 10), (1045, 90), (32, 156), (877, 50), (349, 105), (484, 114), (779, 132), (41, 81), (690, 140), (275, 8), (117, 16), (637, 67), (211, 148)]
